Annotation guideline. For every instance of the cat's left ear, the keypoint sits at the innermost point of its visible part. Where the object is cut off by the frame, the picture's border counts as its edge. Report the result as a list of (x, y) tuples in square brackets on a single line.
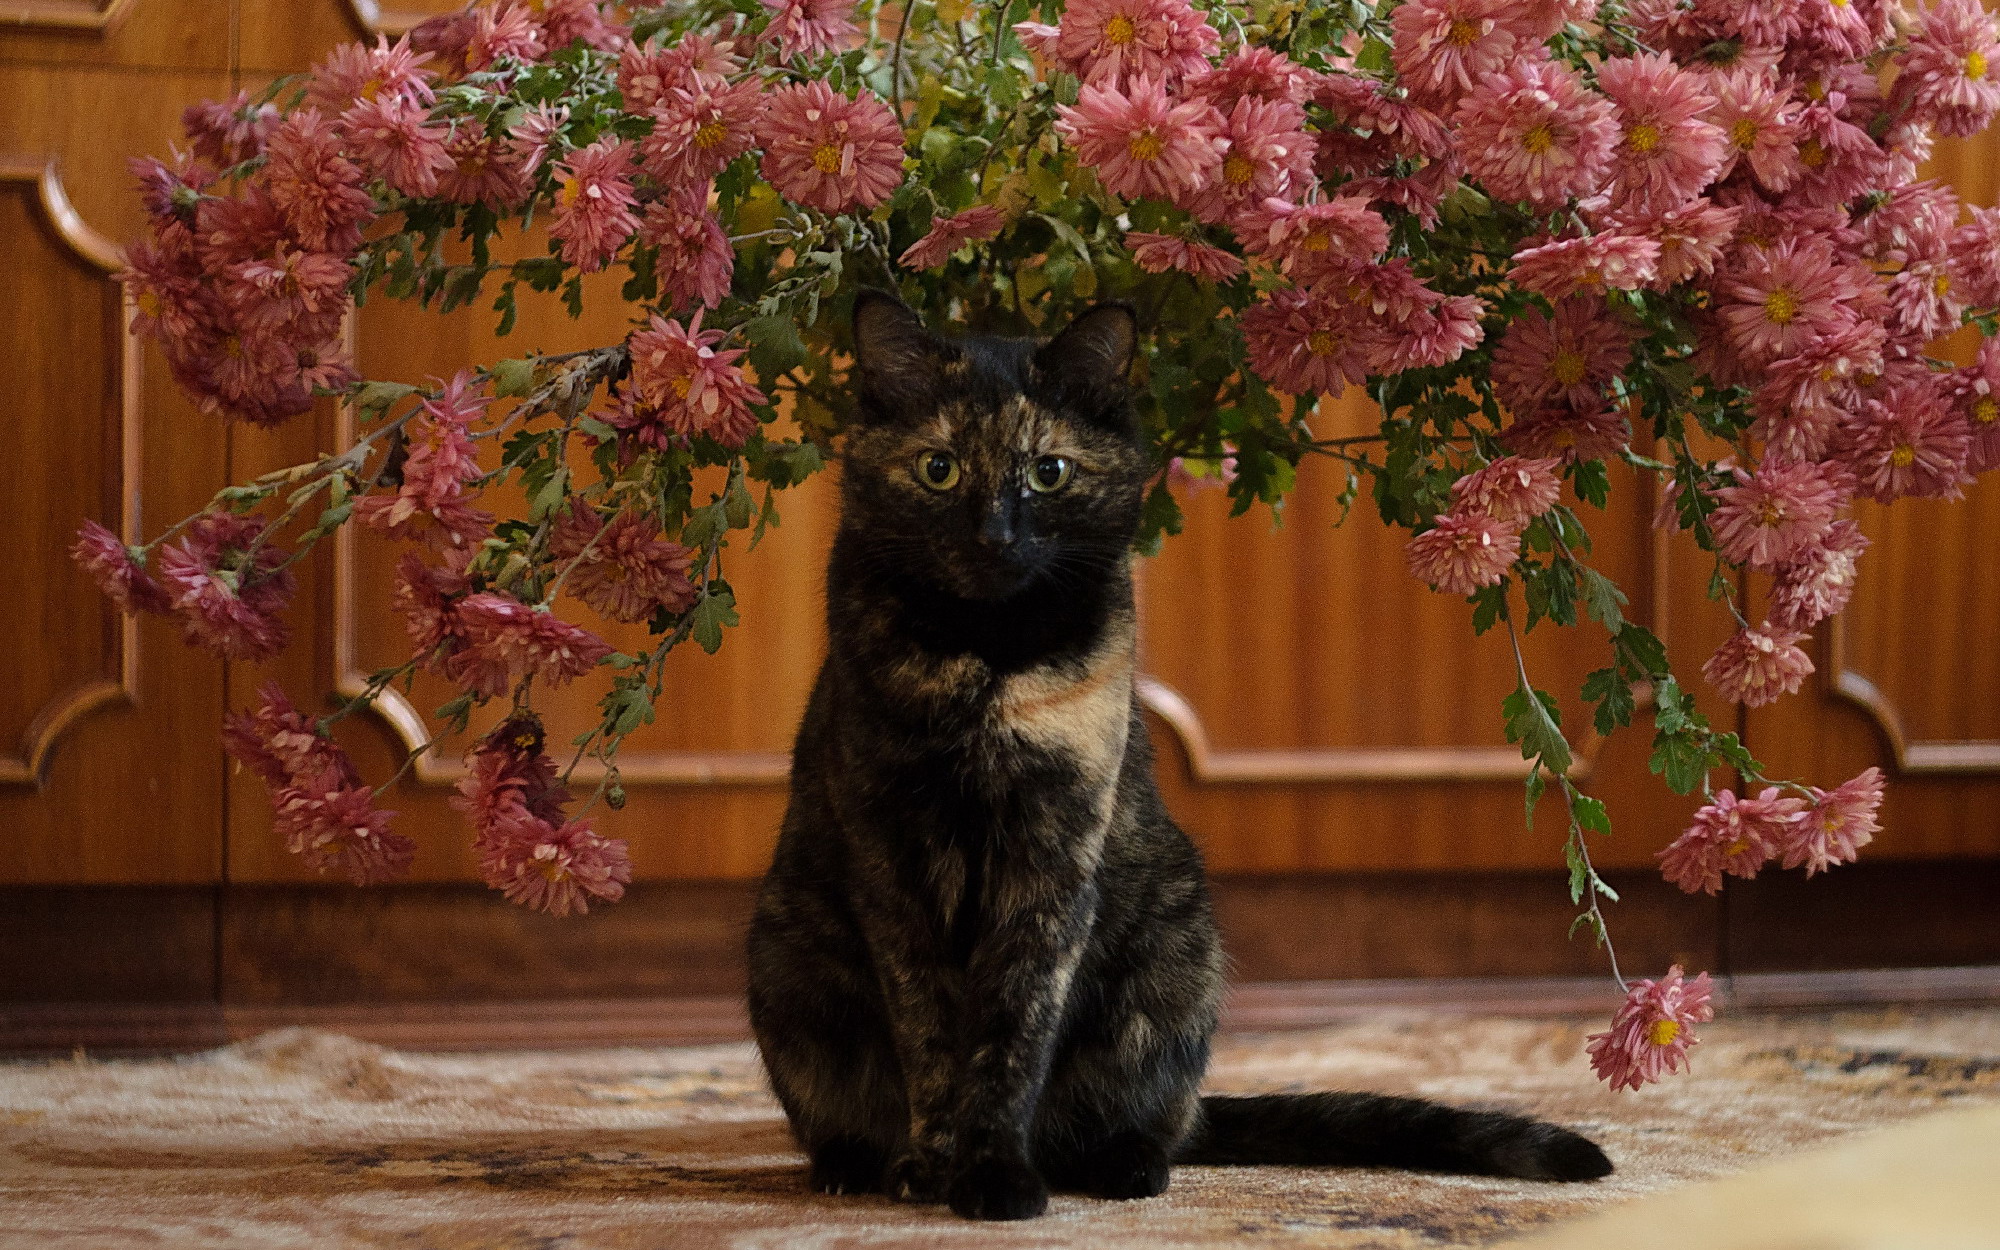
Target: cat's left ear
[(1094, 352)]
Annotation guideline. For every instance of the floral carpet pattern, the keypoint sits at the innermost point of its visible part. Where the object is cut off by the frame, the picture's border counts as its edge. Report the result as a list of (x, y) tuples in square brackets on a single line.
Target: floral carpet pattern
[(307, 1139)]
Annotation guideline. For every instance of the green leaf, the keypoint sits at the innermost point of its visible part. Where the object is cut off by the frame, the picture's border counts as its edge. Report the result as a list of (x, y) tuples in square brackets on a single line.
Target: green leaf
[(1373, 57), (1535, 724), (703, 526), (775, 346), (1537, 784), (1608, 689), (1682, 762), (549, 496), (737, 506), (1602, 599), (715, 610), (513, 377), (1589, 813)]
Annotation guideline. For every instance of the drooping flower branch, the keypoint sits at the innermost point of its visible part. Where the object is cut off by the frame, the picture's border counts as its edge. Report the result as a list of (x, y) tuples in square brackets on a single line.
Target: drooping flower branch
[(1543, 236)]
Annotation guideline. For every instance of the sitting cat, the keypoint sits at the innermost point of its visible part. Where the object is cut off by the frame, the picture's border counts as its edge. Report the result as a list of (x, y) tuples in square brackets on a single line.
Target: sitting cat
[(983, 963)]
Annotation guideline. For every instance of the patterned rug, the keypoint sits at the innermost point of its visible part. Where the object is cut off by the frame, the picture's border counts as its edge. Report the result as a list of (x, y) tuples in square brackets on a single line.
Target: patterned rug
[(308, 1139)]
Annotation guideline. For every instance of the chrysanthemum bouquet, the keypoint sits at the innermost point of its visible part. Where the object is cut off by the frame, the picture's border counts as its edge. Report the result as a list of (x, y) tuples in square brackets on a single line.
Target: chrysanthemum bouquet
[(1543, 235)]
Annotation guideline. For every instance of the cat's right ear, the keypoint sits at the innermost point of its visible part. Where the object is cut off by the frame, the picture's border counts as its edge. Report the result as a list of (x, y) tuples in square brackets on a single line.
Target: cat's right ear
[(896, 361)]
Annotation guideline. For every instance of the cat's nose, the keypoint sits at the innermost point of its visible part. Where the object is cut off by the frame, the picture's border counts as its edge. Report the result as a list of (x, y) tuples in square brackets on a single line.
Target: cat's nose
[(997, 531)]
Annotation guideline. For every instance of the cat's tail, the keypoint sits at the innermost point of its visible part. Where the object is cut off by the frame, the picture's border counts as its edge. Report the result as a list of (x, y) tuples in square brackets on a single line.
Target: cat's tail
[(1375, 1130)]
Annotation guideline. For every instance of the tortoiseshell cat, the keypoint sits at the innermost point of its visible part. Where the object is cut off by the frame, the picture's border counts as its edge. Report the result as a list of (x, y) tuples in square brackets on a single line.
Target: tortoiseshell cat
[(984, 963)]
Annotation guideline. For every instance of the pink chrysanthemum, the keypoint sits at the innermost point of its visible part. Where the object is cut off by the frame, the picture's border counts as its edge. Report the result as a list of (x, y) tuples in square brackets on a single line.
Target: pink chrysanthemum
[(1568, 435), (1757, 665), (688, 387), (1462, 553), (1771, 518), (1513, 490), (810, 27), (529, 138), (1908, 441), (1975, 256), (1250, 72), (1431, 336), (1158, 253), (1730, 835), (625, 570), (1670, 152), (594, 204), (505, 640), (431, 504), (826, 151), (1406, 129), (1555, 271), (1949, 70), (975, 225), (1535, 132), (699, 129), (424, 595), (355, 73), (1266, 154), (509, 791), (1915, 218), (1757, 120), (1836, 825), (1303, 341), (117, 573), (318, 190), (1310, 242), (1691, 238), (1443, 47), (1837, 159), (485, 169), (561, 870), (1975, 392), (1923, 299), (1566, 359), (646, 74), (694, 263), (564, 22), (392, 139), (1114, 41), (226, 133), (505, 29), (1141, 141), (1652, 1031), (1818, 581), (227, 600), (1785, 299), (298, 296)]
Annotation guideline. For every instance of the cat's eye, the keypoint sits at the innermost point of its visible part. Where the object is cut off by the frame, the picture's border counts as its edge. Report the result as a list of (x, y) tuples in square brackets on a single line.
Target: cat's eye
[(1050, 473), (937, 470)]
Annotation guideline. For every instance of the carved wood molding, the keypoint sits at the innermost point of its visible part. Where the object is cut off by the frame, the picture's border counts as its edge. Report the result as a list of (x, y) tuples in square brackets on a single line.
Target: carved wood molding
[(28, 765), (98, 16), (1972, 757)]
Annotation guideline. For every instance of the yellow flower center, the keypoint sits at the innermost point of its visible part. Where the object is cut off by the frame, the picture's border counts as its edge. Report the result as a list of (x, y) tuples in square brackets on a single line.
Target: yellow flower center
[(1567, 367), (1986, 410), (712, 132), (149, 303), (1462, 33), (232, 345), (826, 158), (681, 385), (1770, 512), (1147, 146), (1941, 285), (1317, 241), (1743, 134), (1643, 137), (1816, 88), (1322, 343), (1663, 1032), (1904, 456), (567, 192), (1975, 65), (1238, 170), (1737, 847), (1120, 30), (1781, 307), (1811, 154), (1538, 140), (1563, 438)]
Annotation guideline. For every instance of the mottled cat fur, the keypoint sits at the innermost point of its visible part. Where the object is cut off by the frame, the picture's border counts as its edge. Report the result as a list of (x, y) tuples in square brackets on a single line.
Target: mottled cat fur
[(984, 963)]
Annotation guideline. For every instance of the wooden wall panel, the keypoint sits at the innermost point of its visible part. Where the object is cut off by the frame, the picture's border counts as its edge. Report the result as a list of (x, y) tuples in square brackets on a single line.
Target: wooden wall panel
[(130, 34)]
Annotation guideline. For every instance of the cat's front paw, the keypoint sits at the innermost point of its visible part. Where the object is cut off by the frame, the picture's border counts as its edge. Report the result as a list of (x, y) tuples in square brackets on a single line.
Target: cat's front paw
[(847, 1165), (997, 1187), (1124, 1168), (915, 1175)]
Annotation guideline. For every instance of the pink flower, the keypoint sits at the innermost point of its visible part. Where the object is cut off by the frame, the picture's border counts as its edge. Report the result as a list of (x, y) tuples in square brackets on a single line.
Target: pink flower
[(1975, 392), (1512, 490), (1443, 47), (1691, 238), (1250, 72), (228, 601), (1619, 262), (1757, 121), (698, 129), (1670, 152), (1110, 42), (529, 138), (689, 386), (1142, 142), (1837, 159), (355, 73), (1157, 253), (645, 75), (117, 572), (1534, 132), (566, 21), (1266, 153), (390, 136), (1948, 69), (1314, 241), (1757, 665), (694, 263), (826, 151), (1818, 581), (810, 27), (226, 134), (1730, 835), (318, 190), (504, 29), (505, 640), (1462, 553), (594, 204), (1917, 217), (486, 169), (1303, 341), (425, 596), (1568, 435), (1908, 441), (1652, 1031), (975, 225), (431, 504), (1773, 517), (515, 803), (295, 295), (629, 571), (1785, 299), (1836, 826), (1566, 359), (1433, 336), (1975, 255), (561, 870)]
